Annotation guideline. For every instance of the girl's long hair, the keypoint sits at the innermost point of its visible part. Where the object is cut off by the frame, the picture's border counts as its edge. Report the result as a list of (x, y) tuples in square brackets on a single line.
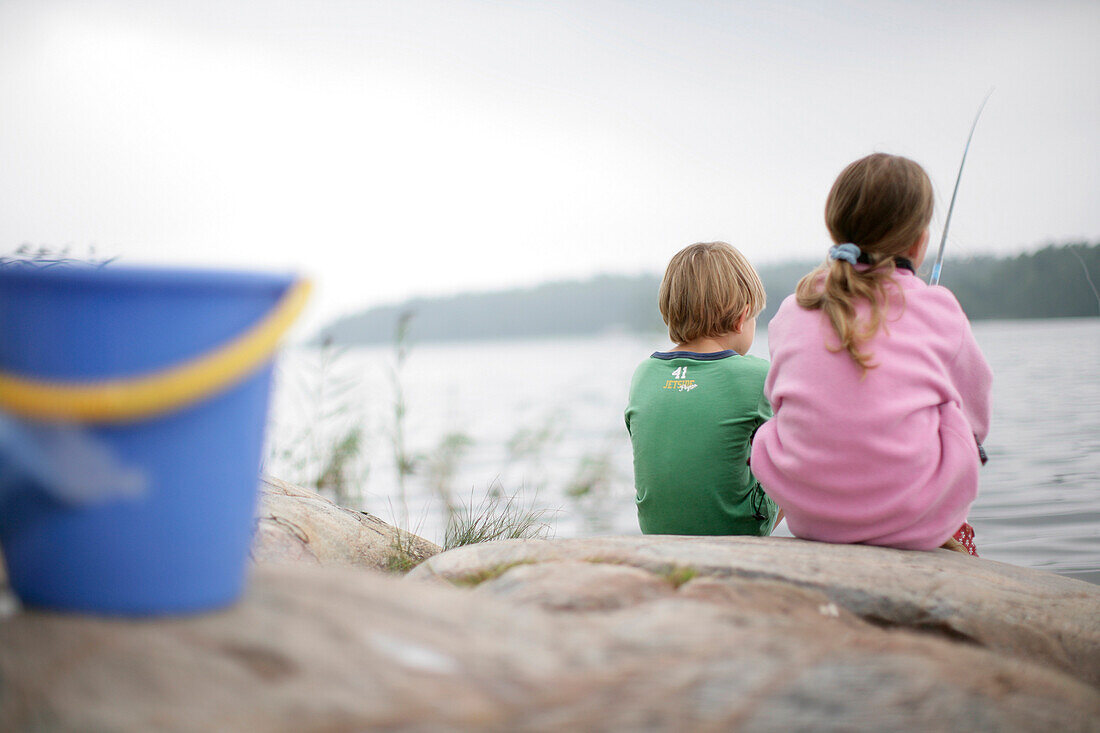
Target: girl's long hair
[(882, 204)]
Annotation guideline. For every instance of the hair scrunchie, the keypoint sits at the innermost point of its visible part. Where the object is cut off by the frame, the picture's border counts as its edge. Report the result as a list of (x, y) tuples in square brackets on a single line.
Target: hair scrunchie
[(847, 252)]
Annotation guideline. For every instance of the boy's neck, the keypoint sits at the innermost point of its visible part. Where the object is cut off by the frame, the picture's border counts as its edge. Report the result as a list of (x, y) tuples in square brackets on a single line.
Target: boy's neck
[(706, 345)]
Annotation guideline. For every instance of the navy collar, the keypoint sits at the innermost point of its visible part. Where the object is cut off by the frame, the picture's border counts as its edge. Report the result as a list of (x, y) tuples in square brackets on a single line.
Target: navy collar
[(902, 263), (709, 356)]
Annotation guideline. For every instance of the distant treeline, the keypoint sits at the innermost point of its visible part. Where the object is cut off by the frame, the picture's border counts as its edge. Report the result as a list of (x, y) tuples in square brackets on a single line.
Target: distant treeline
[(1053, 282)]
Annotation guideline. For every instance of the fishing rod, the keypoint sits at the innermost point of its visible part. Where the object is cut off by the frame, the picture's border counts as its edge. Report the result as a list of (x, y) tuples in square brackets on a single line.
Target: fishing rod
[(947, 223)]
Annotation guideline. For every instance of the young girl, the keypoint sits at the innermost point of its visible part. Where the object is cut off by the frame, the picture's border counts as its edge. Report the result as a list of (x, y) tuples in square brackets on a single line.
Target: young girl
[(880, 393)]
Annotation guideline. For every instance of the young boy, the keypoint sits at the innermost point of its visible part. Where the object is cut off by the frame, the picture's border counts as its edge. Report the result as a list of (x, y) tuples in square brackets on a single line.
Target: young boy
[(693, 410)]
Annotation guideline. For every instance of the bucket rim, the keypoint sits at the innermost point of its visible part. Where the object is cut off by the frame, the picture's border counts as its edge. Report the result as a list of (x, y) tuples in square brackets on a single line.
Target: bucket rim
[(142, 276), (138, 397)]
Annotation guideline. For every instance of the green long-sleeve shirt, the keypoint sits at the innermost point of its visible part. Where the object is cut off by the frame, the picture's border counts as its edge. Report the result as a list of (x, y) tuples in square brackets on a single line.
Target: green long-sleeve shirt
[(690, 418)]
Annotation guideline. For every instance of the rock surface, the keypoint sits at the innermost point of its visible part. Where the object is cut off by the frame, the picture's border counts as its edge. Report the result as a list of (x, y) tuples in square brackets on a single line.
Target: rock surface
[(617, 633), (338, 649), (1029, 614), (299, 525)]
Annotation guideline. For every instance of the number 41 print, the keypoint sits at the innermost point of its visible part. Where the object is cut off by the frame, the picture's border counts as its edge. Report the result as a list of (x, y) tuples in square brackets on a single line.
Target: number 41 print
[(680, 372)]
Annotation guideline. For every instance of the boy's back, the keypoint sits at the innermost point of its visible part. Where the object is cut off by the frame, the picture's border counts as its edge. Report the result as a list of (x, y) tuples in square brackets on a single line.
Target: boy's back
[(690, 418)]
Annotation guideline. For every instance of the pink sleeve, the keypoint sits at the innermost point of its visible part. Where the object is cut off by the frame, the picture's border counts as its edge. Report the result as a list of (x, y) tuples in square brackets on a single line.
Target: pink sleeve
[(974, 379)]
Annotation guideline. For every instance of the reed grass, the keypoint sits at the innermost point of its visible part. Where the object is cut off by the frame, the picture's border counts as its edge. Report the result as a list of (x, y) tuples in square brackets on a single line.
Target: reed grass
[(591, 489), (442, 465), (497, 516), (405, 462), (42, 257), (326, 458), (326, 451)]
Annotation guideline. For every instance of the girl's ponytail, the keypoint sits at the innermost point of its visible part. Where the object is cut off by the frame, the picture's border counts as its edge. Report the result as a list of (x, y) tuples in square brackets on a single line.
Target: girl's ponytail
[(835, 288), (878, 208)]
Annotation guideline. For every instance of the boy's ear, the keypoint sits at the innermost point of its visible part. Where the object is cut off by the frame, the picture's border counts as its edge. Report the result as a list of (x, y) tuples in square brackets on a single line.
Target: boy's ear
[(740, 322)]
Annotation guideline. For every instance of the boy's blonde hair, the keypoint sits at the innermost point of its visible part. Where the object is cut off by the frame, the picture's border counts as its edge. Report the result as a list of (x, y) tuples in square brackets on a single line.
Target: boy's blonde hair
[(706, 288), (882, 204)]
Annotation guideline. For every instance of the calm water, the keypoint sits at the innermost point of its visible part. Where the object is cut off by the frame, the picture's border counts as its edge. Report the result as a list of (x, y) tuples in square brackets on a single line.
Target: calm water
[(542, 419)]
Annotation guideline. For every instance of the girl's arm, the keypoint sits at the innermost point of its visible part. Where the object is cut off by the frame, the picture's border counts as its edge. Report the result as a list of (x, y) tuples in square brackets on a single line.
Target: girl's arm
[(973, 379)]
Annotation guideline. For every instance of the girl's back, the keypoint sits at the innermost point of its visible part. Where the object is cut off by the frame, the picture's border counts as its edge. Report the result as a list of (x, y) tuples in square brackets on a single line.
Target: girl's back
[(883, 457)]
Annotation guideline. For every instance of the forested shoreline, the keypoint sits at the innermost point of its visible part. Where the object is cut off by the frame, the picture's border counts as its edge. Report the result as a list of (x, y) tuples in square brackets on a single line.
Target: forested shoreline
[(1054, 282)]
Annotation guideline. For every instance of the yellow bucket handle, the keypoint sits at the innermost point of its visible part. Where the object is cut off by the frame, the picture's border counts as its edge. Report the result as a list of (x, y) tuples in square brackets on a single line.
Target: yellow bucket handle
[(135, 398)]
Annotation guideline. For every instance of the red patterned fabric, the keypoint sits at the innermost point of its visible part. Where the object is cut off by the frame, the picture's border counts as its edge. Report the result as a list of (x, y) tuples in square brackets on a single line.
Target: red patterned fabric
[(965, 536)]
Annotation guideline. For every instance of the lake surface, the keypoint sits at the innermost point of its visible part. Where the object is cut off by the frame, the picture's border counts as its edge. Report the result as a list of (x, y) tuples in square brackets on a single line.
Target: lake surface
[(541, 420)]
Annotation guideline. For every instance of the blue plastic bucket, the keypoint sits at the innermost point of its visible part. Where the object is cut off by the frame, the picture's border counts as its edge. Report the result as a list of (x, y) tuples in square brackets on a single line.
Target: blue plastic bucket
[(181, 544)]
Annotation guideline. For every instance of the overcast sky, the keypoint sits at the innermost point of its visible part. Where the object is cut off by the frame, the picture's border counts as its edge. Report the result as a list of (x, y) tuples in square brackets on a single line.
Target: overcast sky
[(391, 149)]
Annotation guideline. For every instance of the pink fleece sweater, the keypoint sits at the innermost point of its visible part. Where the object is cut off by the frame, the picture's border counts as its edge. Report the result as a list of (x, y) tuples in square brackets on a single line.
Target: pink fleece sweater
[(889, 459)]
